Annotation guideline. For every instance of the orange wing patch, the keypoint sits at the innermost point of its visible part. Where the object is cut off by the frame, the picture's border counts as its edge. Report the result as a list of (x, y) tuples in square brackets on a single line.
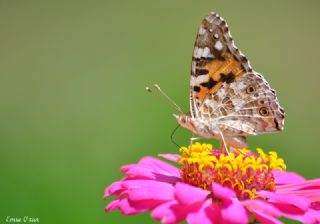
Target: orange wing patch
[(218, 67), (220, 71)]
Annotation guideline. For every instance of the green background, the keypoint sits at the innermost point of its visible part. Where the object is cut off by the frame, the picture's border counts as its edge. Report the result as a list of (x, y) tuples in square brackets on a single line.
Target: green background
[(73, 105)]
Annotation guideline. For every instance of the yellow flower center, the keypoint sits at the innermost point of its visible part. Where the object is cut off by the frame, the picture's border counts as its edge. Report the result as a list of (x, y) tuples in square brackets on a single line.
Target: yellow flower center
[(242, 170)]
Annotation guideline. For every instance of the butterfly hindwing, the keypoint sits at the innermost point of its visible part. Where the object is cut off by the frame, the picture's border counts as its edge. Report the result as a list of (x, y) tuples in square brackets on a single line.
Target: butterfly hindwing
[(247, 106)]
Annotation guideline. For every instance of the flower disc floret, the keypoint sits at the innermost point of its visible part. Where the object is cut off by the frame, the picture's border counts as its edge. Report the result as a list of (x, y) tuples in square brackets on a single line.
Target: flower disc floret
[(242, 170)]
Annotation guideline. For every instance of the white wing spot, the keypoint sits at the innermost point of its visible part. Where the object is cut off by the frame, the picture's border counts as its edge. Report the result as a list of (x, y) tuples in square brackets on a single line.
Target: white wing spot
[(216, 35), (202, 52), (206, 52), (197, 52), (202, 31), (218, 46), (195, 81), (202, 78)]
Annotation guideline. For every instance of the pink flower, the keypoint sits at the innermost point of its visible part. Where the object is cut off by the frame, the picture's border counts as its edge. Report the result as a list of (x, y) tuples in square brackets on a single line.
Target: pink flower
[(213, 187)]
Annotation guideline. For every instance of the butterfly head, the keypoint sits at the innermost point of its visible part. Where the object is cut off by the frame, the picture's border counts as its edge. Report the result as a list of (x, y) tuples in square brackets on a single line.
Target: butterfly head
[(185, 120)]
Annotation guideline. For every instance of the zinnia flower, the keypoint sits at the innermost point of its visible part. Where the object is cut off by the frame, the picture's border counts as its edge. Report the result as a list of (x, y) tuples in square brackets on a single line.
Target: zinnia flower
[(211, 186)]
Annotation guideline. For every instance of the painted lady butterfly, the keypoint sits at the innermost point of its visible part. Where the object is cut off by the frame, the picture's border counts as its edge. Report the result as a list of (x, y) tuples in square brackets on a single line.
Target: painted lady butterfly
[(228, 100)]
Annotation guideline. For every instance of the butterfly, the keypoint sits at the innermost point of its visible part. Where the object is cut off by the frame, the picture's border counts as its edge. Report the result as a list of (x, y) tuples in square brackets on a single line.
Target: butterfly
[(228, 99)]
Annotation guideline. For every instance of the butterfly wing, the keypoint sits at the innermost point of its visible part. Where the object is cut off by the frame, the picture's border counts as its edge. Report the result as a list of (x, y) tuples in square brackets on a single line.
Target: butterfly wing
[(225, 90)]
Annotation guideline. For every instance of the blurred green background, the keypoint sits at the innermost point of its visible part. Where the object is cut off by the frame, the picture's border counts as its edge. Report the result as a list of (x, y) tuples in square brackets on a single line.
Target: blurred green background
[(74, 108)]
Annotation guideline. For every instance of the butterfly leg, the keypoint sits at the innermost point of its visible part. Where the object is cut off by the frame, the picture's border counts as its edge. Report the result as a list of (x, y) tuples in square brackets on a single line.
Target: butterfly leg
[(223, 144), (193, 138)]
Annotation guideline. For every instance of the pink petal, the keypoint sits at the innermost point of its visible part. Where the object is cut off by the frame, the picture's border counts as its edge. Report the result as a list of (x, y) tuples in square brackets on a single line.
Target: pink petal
[(309, 189), (113, 205), (287, 209), (187, 194), (148, 189), (264, 211), (312, 184), (262, 206), (170, 212), (223, 193), (299, 202), (127, 167), (142, 171), (305, 185), (126, 207), (160, 166), (285, 177), (268, 212), (266, 219), (152, 168), (114, 189), (170, 157), (312, 195), (208, 213), (233, 212), (310, 217)]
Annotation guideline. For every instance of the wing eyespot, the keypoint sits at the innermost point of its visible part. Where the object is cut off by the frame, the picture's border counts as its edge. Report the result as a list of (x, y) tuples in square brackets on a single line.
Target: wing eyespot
[(250, 89), (264, 111)]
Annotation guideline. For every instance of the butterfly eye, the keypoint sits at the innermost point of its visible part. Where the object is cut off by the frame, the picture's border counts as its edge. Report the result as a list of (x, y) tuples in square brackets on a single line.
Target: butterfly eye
[(264, 111), (250, 89)]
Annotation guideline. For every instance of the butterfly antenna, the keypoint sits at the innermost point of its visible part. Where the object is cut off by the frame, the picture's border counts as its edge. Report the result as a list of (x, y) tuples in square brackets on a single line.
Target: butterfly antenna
[(172, 102), (168, 98)]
